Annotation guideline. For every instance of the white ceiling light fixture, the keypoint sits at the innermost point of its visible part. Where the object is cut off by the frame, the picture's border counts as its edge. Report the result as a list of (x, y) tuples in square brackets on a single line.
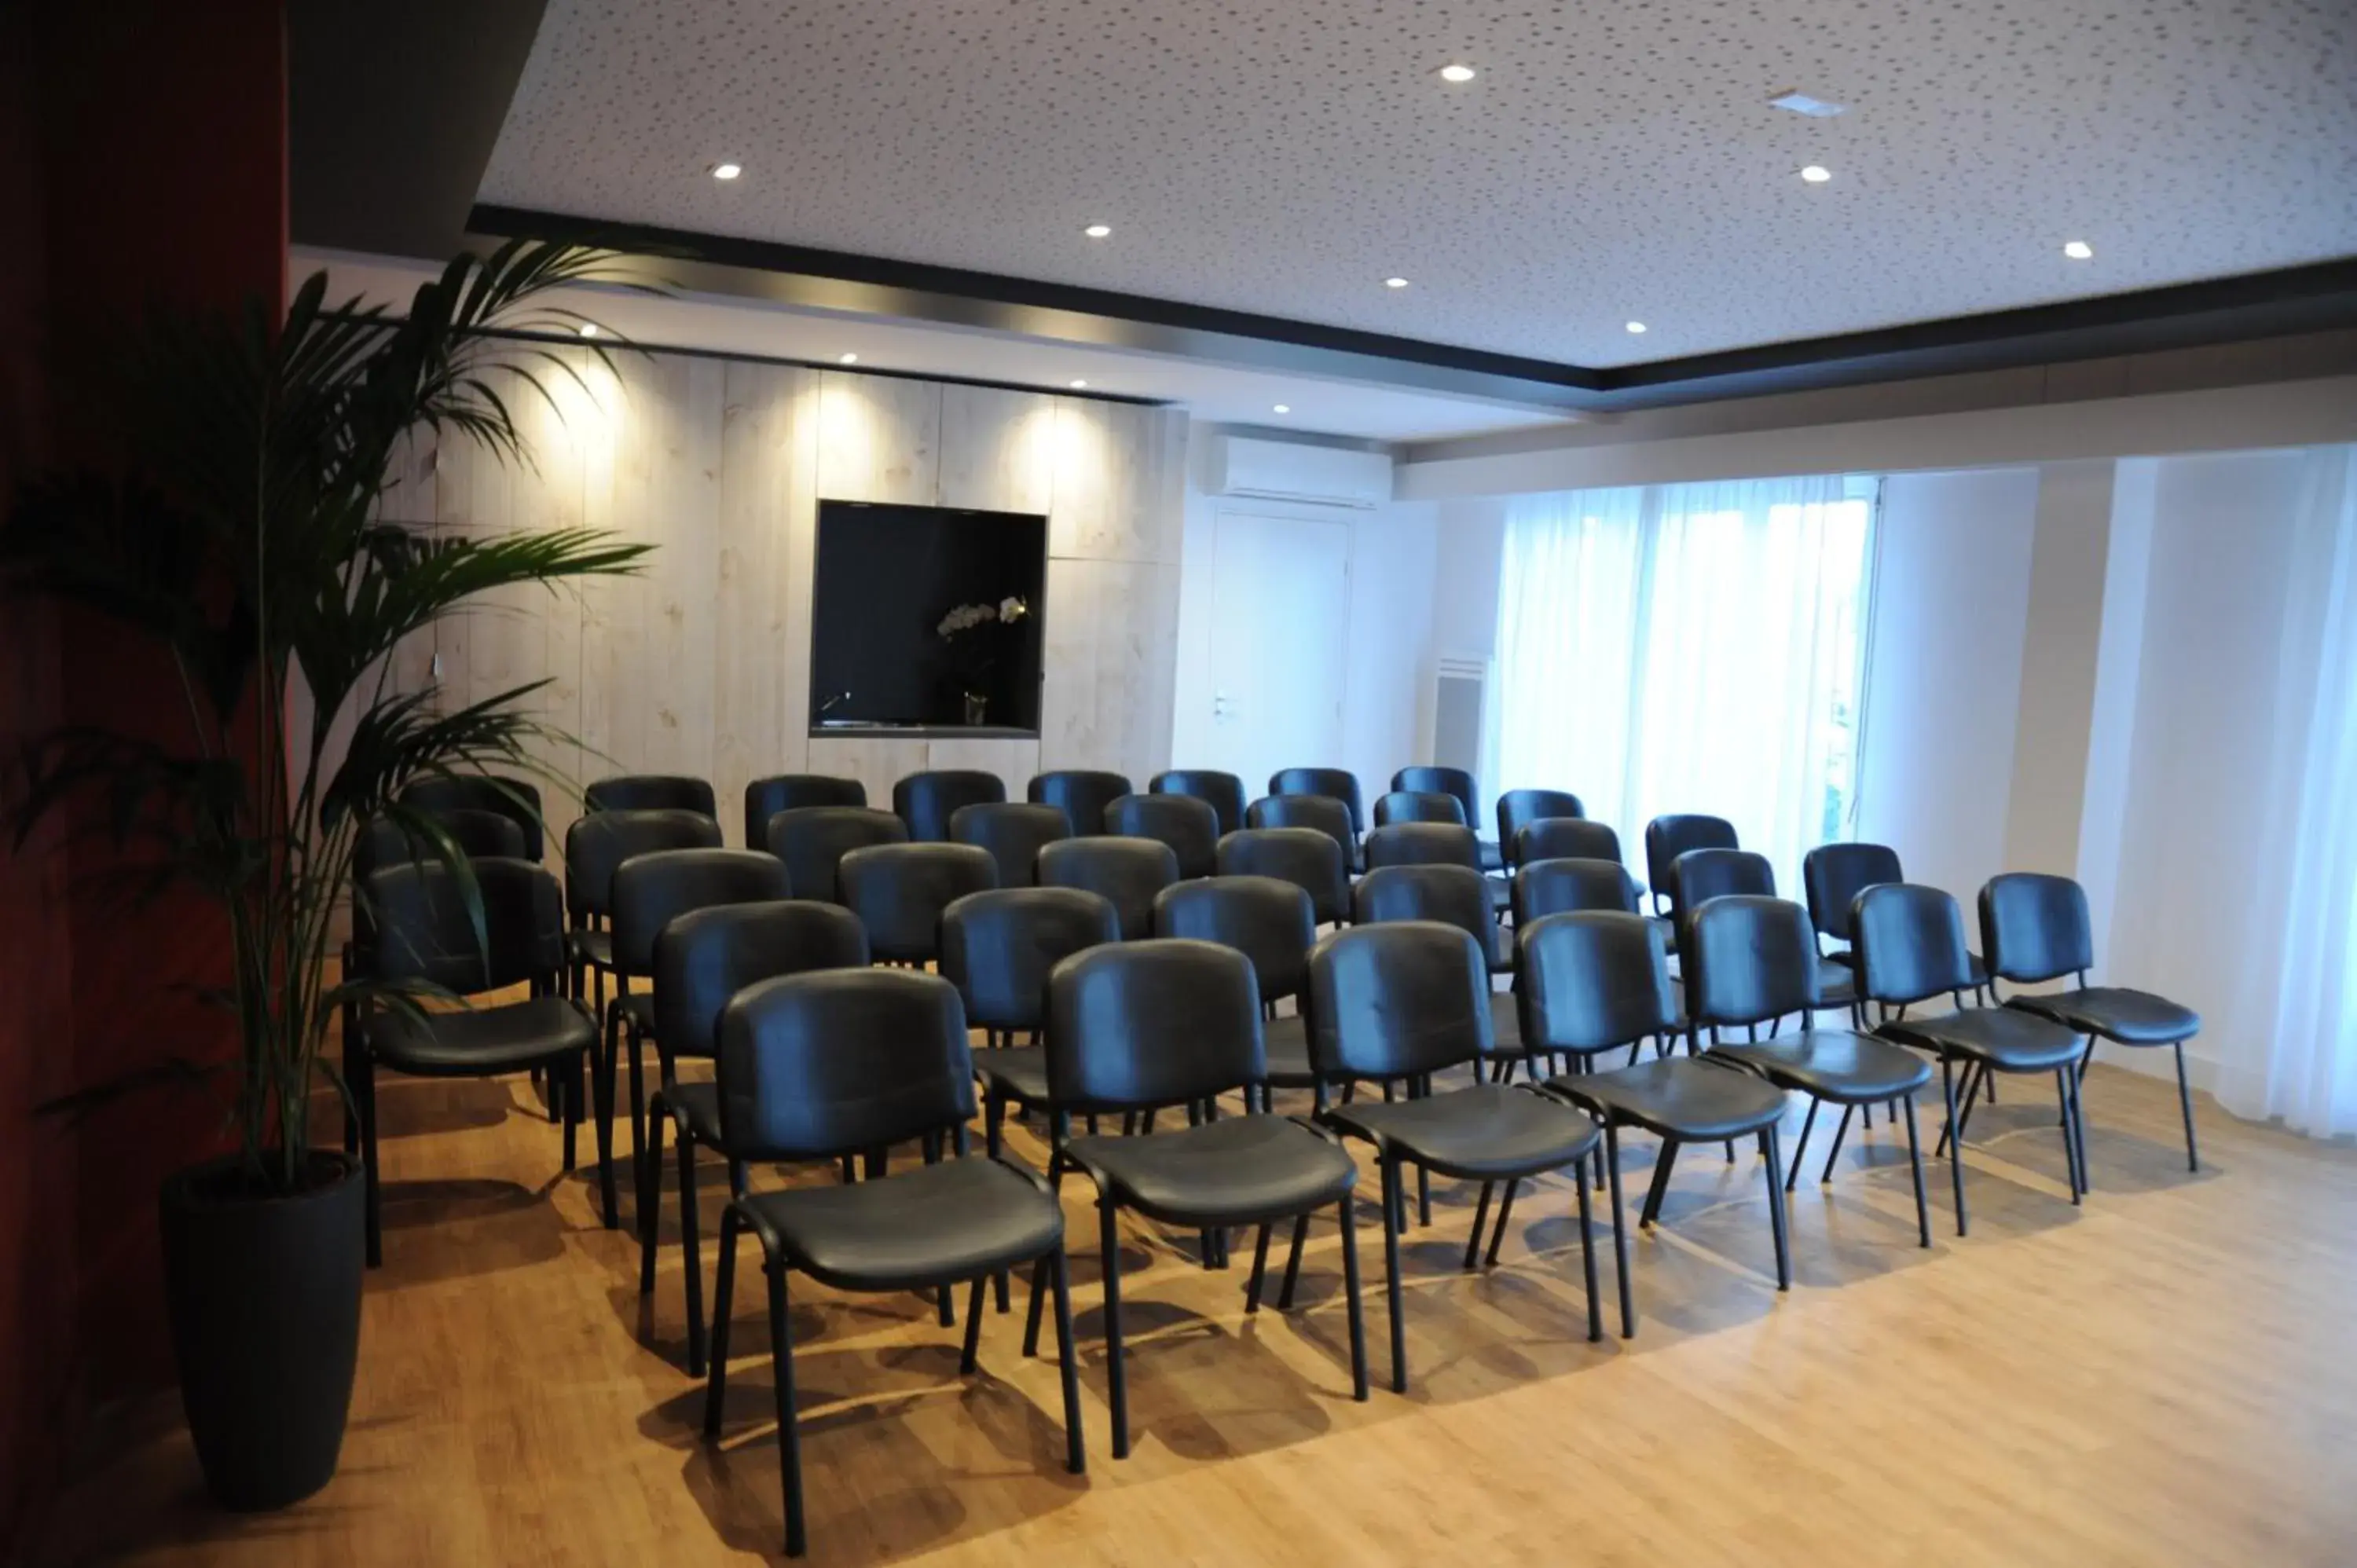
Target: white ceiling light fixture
[(1816, 174), (2079, 251), (1395, 282), (846, 359), (1802, 104), (1636, 327), (589, 329), (1284, 408), (1098, 230), (726, 171), (1076, 385), (1457, 73)]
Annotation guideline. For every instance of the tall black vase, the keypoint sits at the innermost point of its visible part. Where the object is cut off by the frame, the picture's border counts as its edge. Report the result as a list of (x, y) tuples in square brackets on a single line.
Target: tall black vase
[(264, 1298)]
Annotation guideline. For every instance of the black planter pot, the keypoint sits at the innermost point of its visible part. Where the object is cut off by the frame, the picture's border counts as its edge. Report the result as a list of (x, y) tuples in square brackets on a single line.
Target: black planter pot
[(265, 1296)]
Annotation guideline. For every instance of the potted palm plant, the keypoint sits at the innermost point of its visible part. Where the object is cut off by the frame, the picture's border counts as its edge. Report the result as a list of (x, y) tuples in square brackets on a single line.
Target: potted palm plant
[(243, 532)]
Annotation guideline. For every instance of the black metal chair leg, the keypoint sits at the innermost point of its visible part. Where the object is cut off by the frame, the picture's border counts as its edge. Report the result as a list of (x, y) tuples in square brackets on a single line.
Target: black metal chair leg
[(648, 1217), (1424, 1196), (1116, 1385), (1031, 1313), (1293, 1258), (1259, 1269), (575, 1107), (1915, 1166), (362, 1081), (967, 1362), (1660, 1184), (2070, 1140), (637, 1110), (1505, 1212), (2079, 1126), (1068, 1364), (1351, 1303), (716, 1386), (2184, 1103), (1776, 1209), (1956, 1147), (1393, 1187), (1808, 1125), (1481, 1217), (1588, 1254), (691, 1247), (789, 1441), (1835, 1153), (1619, 1231), (604, 1094)]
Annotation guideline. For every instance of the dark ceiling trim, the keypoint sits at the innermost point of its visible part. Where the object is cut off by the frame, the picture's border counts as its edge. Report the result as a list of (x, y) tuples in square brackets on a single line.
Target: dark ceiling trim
[(2257, 304)]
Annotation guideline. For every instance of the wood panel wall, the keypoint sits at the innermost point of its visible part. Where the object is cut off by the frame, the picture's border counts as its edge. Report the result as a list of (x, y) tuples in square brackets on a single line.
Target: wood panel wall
[(700, 664)]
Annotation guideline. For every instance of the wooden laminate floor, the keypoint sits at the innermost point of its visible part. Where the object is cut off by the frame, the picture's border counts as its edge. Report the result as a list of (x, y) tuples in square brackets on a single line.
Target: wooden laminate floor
[(2167, 1375)]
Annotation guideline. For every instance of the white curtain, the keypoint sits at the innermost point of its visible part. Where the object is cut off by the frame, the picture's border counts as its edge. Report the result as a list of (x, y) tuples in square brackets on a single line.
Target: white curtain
[(1687, 648), (2303, 1069)]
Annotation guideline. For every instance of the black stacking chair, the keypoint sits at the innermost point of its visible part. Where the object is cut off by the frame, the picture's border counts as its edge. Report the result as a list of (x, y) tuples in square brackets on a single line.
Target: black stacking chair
[(702, 959), (1700, 874), (1834, 876), (764, 798), (1223, 792), (1323, 813), (1911, 948), (649, 892), (476, 834), (1188, 823), (1752, 960), (1561, 886), (1418, 806), (997, 948), (898, 891), (1145, 1026), (1272, 922), (1126, 871), (1398, 1004), (1459, 895), (811, 841), (927, 801), (513, 799), (1517, 809), (651, 792), (1423, 843), (1565, 838), (424, 932), (1306, 857), (1013, 832), (815, 1067), (1334, 783), (1457, 782), (2035, 928), (1597, 982), (1083, 793), (1666, 838), (594, 847)]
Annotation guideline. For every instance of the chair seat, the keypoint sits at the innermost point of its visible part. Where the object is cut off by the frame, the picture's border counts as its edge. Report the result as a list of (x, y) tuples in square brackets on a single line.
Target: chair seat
[(1832, 1064), (480, 1041), (1488, 1133), (1235, 1171), (1836, 983), (2006, 1037), (637, 1007), (1019, 1073), (593, 947), (1286, 1042), (1492, 858), (1505, 1021), (1665, 931), (699, 1106), (2129, 1017), (1678, 1097), (1502, 893), (930, 1224)]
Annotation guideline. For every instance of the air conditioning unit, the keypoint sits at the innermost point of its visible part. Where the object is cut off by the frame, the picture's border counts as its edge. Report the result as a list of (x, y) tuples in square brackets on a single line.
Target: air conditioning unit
[(1288, 471)]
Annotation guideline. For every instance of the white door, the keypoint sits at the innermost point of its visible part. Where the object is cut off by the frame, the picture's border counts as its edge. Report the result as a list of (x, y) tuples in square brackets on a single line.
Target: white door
[(1280, 630)]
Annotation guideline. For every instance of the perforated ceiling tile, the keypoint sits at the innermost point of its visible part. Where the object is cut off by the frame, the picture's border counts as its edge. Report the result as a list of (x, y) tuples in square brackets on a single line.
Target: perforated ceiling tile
[(1611, 162)]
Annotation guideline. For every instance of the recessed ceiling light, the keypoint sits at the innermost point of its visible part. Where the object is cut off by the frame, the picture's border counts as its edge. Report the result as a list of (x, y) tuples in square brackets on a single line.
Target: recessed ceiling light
[(1816, 174), (1284, 408), (1076, 383), (589, 329), (846, 359), (726, 171), (1802, 104), (1457, 73), (1395, 282), (1097, 231), (1636, 327), (2079, 250)]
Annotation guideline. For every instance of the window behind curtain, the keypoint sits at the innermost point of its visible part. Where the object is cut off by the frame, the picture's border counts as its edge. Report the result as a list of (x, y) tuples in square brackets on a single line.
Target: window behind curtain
[(1689, 648)]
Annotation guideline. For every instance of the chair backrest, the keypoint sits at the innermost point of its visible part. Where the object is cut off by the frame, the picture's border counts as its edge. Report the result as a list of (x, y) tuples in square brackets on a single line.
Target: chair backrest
[(811, 841), (1082, 792), (706, 956), (764, 798), (1224, 793), (1700, 874), (927, 801), (1418, 806), (476, 834), (1188, 823), (898, 891), (1517, 809), (1591, 981), (651, 792), (1444, 782), (1909, 942), (1423, 843), (1152, 1023), (595, 845), (998, 947), (425, 929), (2035, 926), (1666, 838), (1456, 895), (652, 890), (1543, 887), (1268, 920), (1309, 858), (1013, 832), (1397, 1001), (515, 799), (838, 1062), (1334, 783), (1564, 838), (1834, 875), (1322, 812), (1126, 871), (1747, 959)]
